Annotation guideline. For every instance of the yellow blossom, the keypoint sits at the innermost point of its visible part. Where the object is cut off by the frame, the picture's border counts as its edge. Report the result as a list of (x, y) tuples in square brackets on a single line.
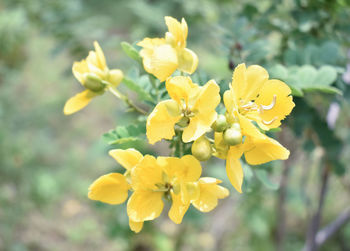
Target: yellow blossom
[(170, 177), (252, 96), (255, 96), (113, 188), (162, 56), (191, 106), (209, 193), (95, 76), (257, 149)]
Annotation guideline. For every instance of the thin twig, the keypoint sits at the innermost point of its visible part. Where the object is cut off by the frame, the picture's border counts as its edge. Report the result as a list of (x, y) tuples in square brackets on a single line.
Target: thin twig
[(325, 233), (282, 193), (281, 210), (310, 244), (116, 93)]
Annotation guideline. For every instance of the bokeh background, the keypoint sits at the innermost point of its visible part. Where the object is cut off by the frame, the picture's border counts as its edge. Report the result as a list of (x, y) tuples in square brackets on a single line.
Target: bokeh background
[(48, 160)]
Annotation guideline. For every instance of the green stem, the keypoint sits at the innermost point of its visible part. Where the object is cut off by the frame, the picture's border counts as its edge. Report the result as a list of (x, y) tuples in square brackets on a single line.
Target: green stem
[(154, 85), (116, 93)]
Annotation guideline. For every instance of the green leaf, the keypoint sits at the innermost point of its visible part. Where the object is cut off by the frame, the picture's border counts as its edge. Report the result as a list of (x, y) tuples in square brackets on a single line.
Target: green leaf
[(325, 89), (326, 75), (278, 72), (329, 52), (264, 178), (296, 91), (124, 140), (131, 51), (122, 131), (306, 75), (138, 89), (126, 134)]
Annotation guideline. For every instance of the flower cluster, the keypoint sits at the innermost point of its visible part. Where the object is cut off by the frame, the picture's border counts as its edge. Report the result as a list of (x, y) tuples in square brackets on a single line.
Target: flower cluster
[(253, 104), (151, 179)]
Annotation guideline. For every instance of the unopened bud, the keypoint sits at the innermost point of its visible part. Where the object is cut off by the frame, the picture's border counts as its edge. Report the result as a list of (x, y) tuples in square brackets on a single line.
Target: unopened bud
[(201, 149), (93, 82), (184, 121), (220, 124), (233, 135), (115, 77)]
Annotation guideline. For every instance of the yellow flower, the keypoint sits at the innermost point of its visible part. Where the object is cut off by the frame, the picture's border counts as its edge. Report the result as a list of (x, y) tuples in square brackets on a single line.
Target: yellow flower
[(113, 188), (252, 96), (162, 56), (209, 193), (255, 96), (191, 106), (95, 76), (170, 177), (257, 149)]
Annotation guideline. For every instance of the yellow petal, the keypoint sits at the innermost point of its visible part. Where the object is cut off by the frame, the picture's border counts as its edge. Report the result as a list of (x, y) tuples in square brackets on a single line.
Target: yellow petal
[(182, 88), (110, 188), (127, 158), (191, 170), (248, 129), (178, 30), (135, 226), (80, 69), (101, 61), (160, 124), (188, 168), (146, 174), (198, 125), (149, 43), (115, 77), (210, 192), (78, 102), (145, 205), (230, 102), (220, 146), (264, 149), (94, 65), (189, 191), (258, 147), (188, 61), (178, 208), (208, 98), (275, 102), (247, 82), (161, 61), (234, 169)]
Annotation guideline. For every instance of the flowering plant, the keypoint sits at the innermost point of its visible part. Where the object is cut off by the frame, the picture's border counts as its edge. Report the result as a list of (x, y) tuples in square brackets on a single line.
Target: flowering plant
[(187, 115)]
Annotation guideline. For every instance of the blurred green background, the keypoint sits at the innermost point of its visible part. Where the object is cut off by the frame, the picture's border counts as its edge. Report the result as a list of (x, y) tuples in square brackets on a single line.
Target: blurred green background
[(48, 160)]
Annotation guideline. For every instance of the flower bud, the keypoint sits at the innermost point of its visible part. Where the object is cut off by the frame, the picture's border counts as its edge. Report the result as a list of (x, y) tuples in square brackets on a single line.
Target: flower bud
[(201, 149), (184, 121), (115, 77), (93, 82), (233, 135), (220, 124)]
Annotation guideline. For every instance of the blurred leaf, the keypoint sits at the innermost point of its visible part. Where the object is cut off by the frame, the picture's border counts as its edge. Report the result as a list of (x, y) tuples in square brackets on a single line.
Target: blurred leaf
[(131, 52), (138, 89), (326, 75), (262, 175)]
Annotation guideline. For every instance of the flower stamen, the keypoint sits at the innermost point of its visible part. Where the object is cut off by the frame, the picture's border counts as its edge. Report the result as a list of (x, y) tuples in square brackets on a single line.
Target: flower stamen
[(270, 106), (269, 122)]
